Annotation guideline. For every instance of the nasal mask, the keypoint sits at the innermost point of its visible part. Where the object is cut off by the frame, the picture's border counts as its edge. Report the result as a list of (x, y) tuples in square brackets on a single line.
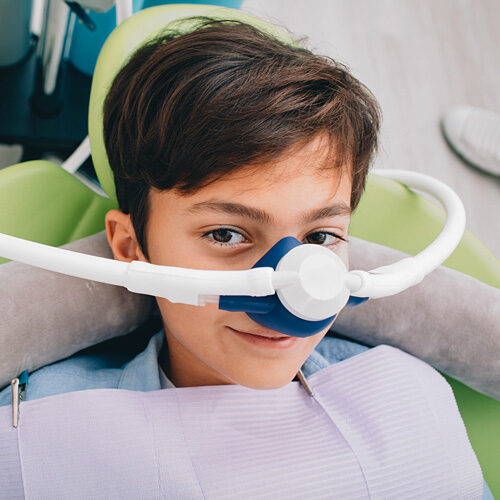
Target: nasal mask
[(296, 289)]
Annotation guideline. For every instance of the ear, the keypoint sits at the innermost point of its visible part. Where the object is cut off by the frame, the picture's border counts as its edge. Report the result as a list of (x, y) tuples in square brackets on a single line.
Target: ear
[(121, 237)]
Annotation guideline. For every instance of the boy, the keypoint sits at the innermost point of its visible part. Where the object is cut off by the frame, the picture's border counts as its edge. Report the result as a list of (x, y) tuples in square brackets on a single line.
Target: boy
[(222, 141)]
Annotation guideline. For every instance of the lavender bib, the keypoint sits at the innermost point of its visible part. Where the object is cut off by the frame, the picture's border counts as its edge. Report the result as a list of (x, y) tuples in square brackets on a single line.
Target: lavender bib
[(381, 425)]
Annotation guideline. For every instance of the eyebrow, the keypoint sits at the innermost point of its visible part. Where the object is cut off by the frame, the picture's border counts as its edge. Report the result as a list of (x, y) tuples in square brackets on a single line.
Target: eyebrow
[(262, 217)]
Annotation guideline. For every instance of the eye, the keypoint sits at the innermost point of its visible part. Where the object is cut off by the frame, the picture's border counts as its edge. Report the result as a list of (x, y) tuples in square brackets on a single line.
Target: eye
[(224, 237), (324, 238)]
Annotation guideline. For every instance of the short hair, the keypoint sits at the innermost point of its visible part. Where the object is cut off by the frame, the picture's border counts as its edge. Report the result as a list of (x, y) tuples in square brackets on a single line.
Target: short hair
[(189, 108)]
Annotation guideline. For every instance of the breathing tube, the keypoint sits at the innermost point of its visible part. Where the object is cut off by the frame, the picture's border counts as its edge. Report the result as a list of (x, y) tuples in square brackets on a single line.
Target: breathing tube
[(295, 288)]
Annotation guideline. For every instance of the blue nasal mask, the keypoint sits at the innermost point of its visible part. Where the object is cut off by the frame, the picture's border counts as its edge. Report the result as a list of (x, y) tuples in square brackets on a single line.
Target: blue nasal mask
[(268, 310), (296, 289)]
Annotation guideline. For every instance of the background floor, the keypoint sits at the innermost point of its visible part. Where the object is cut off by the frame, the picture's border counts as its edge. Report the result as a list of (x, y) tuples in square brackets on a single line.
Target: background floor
[(418, 58)]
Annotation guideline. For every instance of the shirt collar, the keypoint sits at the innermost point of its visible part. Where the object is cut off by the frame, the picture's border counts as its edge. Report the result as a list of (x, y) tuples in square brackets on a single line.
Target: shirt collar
[(141, 373), (314, 363)]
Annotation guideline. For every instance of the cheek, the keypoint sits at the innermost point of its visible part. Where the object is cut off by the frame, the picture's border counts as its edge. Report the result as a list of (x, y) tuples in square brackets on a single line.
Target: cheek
[(343, 253), (189, 323)]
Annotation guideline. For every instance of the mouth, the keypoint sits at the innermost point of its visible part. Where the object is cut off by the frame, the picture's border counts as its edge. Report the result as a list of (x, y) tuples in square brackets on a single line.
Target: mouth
[(265, 338), (267, 335)]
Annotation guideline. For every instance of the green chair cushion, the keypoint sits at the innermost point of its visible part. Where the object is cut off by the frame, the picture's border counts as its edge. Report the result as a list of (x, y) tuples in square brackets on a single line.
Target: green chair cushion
[(41, 202)]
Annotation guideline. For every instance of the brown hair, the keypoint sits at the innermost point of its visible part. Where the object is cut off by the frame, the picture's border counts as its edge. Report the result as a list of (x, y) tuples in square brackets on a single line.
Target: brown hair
[(188, 108)]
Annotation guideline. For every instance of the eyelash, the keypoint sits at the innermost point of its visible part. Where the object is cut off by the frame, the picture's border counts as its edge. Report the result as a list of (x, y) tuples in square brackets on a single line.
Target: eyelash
[(229, 245)]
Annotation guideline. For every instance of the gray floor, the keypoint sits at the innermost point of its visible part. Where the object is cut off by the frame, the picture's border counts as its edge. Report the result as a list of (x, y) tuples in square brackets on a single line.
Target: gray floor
[(419, 57)]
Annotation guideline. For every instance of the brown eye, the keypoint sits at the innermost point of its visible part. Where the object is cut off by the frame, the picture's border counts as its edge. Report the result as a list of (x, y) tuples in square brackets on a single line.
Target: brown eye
[(317, 238), (222, 235), (323, 238)]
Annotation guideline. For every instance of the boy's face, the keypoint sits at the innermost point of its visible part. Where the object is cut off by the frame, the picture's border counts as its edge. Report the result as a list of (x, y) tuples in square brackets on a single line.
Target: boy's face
[(230, 224)]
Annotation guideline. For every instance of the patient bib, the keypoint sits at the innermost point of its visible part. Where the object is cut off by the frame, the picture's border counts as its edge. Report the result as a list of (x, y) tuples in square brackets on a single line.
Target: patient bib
[(380, 425)]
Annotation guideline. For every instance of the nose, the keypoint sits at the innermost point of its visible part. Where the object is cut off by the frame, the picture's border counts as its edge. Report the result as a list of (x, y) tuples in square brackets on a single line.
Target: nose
[(269, 311)]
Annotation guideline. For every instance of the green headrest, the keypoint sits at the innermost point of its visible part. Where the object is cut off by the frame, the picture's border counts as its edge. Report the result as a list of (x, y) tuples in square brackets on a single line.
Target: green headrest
[(123, 42)]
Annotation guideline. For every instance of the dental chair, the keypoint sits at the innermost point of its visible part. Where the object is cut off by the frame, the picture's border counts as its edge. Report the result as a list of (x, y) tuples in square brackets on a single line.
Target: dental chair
[(42, 202)]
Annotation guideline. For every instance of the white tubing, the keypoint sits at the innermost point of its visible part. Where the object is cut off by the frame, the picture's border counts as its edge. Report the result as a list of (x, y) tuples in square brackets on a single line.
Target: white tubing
[(64, 261), (193, 286), (188, 286), (77, 158), (389, 280), (449, 238)]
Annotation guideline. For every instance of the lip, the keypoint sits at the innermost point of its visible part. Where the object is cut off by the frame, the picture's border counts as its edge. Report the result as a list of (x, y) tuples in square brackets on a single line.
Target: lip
[(266, 340), (262, 333)]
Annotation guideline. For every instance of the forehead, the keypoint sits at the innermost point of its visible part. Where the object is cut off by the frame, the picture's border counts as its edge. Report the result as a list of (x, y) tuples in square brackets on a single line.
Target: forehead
[(302, 179)]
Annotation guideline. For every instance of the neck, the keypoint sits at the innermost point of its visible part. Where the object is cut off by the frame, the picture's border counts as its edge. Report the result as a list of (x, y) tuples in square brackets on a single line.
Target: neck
[(184, 369)]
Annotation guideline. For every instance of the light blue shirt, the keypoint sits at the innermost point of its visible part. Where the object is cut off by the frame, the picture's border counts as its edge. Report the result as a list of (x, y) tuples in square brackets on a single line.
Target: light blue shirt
[(140, 371)]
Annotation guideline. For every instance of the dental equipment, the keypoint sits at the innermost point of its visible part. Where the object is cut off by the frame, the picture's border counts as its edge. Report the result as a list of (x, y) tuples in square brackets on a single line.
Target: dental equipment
[(295, 288)]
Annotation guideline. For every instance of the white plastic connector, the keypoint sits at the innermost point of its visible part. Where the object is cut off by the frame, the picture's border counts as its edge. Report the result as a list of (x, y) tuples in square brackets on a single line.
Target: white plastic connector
[(388, 280), (195, 286), (320, 291)]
